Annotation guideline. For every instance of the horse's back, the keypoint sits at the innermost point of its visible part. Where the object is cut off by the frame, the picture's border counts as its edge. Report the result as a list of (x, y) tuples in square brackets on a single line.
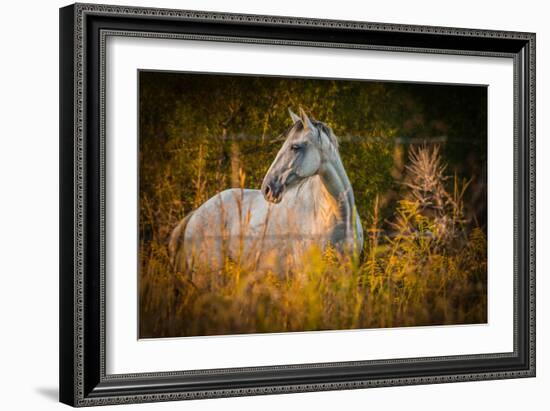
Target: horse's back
[(225, 213), (218, 227)]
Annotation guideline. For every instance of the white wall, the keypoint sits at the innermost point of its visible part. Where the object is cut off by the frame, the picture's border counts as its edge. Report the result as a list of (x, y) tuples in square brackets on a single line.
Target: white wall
[(29, 205)]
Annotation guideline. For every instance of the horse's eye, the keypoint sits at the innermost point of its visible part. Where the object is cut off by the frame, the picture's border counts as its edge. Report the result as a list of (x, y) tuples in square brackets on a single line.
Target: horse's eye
[(296, 147)]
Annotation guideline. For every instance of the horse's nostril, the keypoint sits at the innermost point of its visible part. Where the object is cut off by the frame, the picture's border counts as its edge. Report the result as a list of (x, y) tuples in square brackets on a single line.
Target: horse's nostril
[(266, 190)]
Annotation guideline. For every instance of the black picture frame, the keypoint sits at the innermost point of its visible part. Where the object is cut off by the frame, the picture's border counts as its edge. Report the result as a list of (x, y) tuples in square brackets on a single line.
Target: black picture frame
[(83, 29)]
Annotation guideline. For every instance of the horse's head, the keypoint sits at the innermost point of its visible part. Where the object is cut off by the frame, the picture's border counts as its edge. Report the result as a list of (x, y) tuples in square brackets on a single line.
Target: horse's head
[(300, 157)]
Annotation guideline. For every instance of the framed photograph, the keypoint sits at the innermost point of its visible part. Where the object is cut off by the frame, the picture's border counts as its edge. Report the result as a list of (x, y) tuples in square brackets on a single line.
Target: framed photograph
[(261, 204)]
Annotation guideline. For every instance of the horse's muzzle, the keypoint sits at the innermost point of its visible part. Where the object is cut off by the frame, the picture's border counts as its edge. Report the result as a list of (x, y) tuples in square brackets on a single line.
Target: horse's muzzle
[(273, 192)]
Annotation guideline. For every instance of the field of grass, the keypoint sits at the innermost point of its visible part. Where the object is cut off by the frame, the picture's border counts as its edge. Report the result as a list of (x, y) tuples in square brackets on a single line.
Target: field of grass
[(424, 265)]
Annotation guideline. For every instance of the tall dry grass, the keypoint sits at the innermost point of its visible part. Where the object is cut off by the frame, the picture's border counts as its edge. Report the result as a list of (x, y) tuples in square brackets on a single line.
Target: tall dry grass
[(426, 266)]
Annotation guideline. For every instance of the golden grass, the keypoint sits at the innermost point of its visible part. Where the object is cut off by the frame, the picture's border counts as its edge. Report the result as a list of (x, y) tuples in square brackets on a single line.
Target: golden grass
[(425, 267)]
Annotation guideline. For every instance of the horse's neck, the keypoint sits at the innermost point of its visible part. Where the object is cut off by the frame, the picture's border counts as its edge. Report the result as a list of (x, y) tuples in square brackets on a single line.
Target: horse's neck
[(325, 202), (325, 211), (337, 184)]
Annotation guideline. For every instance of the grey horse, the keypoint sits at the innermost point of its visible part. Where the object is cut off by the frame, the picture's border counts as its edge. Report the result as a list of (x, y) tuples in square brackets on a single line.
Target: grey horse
[(306, 201)]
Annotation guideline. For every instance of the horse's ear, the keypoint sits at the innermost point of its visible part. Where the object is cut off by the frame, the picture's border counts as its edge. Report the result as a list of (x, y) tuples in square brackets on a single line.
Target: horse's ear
[(308, 125), (295, 118)]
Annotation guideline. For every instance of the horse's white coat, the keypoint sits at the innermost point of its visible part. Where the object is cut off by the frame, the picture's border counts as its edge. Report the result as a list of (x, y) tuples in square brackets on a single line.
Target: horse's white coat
[(311, 204)]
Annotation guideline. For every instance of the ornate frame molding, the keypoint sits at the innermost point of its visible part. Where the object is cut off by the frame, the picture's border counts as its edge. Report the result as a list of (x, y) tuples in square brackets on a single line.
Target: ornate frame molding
[(82, 369)]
